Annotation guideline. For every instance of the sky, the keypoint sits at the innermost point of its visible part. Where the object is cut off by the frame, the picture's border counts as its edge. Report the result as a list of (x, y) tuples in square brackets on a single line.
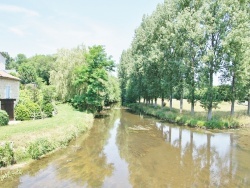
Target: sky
[(42, 26)]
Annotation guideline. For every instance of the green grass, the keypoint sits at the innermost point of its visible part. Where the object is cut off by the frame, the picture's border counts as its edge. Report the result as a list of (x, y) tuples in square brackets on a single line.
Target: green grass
[(220, 120), (37, 137), (220, 113)]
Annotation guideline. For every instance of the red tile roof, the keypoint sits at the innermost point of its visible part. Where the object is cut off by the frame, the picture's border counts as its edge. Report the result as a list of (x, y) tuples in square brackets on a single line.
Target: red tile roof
[(5, 75)]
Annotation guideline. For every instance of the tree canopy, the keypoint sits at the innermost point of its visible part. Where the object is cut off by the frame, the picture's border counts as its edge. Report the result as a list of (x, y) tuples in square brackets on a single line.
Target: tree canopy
[(180, 47)]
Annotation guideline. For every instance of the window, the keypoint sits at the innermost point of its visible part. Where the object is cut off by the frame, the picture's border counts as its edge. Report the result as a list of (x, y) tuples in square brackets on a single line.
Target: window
[(7, 92)]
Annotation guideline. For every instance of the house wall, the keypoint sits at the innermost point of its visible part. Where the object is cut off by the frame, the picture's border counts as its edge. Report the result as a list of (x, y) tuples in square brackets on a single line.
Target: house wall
[(2, 62), (14, 88)]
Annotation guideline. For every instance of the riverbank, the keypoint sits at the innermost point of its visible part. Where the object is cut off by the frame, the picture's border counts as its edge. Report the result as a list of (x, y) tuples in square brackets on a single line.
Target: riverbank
[(220, 121), (32, 139)]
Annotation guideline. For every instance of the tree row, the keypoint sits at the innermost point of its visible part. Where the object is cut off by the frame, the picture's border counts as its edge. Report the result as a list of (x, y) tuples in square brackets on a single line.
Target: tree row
[(179, 49)]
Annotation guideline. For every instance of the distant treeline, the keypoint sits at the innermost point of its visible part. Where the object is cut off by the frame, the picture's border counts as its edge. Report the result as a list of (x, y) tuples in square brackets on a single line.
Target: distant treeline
[(81, 76)]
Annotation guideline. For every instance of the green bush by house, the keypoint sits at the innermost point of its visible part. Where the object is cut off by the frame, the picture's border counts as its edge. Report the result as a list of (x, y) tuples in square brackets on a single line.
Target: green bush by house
[(4, 118)]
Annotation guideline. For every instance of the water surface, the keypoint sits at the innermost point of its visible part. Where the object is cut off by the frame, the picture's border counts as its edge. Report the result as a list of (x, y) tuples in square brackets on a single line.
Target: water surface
[(128, 150)]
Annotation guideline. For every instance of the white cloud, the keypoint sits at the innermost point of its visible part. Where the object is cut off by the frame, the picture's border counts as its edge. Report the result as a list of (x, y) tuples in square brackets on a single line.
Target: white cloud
[(16, 9)]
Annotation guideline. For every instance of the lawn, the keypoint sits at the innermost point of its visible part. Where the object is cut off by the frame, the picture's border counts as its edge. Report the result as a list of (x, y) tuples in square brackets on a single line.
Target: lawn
[(222, 112), (221, 115), (56, 131)]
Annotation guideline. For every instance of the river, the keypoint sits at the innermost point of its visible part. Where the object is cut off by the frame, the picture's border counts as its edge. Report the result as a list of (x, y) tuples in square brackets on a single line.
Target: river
[(129, 150)]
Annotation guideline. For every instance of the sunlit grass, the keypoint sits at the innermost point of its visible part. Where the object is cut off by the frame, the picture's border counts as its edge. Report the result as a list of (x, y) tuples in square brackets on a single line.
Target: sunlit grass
[(62, 128), (221, 115)]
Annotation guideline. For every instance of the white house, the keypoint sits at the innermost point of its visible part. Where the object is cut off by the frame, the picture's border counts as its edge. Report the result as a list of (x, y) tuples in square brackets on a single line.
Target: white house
[(9, 89)]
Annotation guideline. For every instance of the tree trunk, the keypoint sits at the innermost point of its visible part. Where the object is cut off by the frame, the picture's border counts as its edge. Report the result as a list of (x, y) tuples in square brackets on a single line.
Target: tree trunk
[(248, 106), (181, 98), (155, 101), (209, 114), (181, 104), (162, 101), (211, 74), (144, 100), (171, 98), (193, 88), (233, 95), (171, 102), (139, 100), (232, 107)]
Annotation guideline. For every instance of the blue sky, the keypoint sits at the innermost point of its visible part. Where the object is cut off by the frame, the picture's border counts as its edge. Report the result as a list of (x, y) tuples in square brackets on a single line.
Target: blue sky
[(42, 26)]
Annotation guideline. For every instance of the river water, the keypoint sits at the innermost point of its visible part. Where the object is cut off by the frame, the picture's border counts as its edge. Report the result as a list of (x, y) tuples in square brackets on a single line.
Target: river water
[(128, 150)]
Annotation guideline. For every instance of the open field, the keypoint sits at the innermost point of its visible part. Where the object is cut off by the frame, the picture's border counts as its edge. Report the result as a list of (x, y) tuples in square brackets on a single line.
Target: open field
[(55, 132), (222, 107), (221, 116), (222, 112)]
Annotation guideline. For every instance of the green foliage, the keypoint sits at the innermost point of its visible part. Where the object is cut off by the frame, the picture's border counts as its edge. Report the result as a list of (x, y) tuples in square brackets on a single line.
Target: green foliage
[(40, 147), (8, 60), (6, 155), (22, 113), (204, 95), (112, 90), (91, 80), (27, 73), (43, 65), (48, 109), (173, 117), (4, 118), (180, 48), (34, 110), (63, 74), (224, 92), (48, 93)]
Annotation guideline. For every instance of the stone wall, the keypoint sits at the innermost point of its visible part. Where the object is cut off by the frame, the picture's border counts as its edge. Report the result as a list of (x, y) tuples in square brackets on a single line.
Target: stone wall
[(14, 88)]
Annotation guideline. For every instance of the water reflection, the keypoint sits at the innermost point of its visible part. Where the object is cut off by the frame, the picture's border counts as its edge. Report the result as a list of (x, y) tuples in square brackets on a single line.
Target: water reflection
[(168, 156), (162, 155)]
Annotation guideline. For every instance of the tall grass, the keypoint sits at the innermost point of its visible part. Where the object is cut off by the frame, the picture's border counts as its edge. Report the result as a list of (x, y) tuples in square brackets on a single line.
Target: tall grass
[(32, 139), (173, 116)]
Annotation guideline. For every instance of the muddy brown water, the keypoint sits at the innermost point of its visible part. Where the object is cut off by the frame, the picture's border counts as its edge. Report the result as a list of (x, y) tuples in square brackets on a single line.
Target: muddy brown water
[(129, 150)]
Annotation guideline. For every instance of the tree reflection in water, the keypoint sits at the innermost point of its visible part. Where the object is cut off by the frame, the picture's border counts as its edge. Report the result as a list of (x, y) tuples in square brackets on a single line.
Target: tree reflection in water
[(113, 155), (169, 156)]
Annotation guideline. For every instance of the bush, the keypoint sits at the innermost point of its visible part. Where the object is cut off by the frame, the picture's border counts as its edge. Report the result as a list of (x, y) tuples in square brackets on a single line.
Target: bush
[(34, 109), (4, 118), (214, 124), (39, 148), (6, 155), (22, 112), (48, 109)]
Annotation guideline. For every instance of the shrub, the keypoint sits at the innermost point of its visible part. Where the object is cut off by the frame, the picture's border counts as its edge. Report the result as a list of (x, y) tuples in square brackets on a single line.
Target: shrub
[(193, 122), (6, 155), (171, 117), (48, 109), (201, 123), (22, 112), (4, 118), (39, 148), (214, 124), (34, 109)]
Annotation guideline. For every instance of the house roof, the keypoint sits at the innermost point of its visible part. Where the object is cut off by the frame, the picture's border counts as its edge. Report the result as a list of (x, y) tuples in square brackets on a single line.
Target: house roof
[(5, 75)]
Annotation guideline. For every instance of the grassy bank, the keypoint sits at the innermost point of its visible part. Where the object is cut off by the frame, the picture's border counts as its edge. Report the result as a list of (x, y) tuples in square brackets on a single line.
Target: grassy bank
[(219, 121), (32, 139)]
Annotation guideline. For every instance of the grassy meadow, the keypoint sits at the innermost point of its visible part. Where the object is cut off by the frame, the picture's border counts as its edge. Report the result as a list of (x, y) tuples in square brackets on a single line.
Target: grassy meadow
[(34, 138), (222, 112), (221, 115)]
